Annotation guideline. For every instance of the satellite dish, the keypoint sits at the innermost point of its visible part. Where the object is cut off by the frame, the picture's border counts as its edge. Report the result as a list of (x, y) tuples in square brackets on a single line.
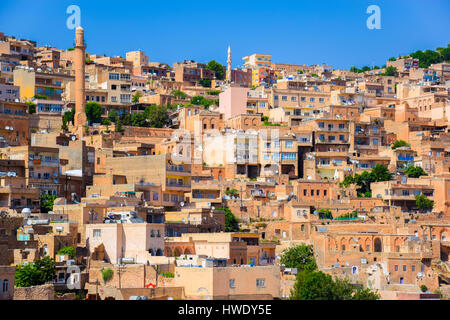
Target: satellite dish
[(213, 208), (182, 204), (73, 138)]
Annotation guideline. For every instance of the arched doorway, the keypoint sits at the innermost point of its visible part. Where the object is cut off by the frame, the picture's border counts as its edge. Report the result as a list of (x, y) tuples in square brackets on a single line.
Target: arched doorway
[(377, 245)]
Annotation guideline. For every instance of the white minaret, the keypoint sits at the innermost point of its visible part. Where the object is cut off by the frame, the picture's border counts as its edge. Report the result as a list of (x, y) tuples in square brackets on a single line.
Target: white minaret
[(229, 66)]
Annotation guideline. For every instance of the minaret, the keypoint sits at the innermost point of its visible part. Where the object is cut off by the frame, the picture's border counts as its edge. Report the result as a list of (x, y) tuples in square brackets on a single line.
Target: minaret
[(229, 66), (80, 115)]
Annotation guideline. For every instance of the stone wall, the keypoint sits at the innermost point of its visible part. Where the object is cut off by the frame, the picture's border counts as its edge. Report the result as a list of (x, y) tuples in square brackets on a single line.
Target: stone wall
[(44, 292)]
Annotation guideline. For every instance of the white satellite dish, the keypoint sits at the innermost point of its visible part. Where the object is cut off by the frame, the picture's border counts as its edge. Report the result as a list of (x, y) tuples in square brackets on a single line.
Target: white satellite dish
[(182, 204), (213, 208)]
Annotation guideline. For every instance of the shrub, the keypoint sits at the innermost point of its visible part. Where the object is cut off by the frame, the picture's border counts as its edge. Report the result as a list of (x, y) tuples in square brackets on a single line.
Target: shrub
[(107, 274), (69, 251)]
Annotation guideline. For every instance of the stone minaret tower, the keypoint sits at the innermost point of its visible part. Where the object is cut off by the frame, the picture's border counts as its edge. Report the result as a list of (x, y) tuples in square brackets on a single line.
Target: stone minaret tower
[(80, 102), (229, 66)]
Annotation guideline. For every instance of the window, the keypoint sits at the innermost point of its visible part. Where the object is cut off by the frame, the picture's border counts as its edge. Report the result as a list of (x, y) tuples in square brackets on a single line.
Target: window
[(404, 268), (284, 98), (304, 192), (5, 286), (261, 283), (232, 283), (413, 268), (396, 268), (155, 196), (166, 197), (288, 144), (97, 233), (324, 193)]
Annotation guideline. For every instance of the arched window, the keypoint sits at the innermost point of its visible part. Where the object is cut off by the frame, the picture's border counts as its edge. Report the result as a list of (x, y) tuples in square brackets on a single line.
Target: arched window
[(377, 245), (159, 253), (303, 227), (5, 286)]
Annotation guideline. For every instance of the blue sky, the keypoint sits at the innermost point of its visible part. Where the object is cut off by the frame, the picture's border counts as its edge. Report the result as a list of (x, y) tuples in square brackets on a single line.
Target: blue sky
[(303, 32)]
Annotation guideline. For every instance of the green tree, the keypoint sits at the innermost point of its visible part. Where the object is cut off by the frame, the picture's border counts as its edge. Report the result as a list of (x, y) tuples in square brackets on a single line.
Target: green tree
[(178, 94), (365, 294), (138, 120), (119, 124), (231, 223), (415, 172), (423, 203), (112, 115), (218, 68), (158, 116), (400, 143), (325, 214), (93, 112), (47, 202), (390, 71), (392, 59), (69, 116), (35, 274), (363, 180), (300, 257), (107, 275), (69, 251), (320, 286), (232, 193), (381, 173), (313, 286), (136, 97), (31, 107), (206, 83)]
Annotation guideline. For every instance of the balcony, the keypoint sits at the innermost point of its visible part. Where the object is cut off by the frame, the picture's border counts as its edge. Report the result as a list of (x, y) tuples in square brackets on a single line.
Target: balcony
[(178, 169), (178, 187), (399, 158)]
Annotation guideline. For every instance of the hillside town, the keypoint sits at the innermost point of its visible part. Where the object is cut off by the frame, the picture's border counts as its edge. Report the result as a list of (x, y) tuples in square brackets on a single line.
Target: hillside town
[(123, 178)]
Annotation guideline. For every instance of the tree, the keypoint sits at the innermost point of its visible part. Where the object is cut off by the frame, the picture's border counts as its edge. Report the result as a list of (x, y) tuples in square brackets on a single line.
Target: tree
[(69, 116), (69, 251), (107, 274), (231, 223), (93, 112), (300, 257), (313, 286), (202, 101), (158, 116), (138, 120), (178, 94), (400, 143), (392, 59), (118, 124), (206, 83), (365, 294), (112, 115), (325, 214), (31, 107), (415, 172), (423, 203), (35, 274), (47, 201), (317, 285), (379, 173), (136, 97), (390, 71), (232, 193), (218, 68)]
